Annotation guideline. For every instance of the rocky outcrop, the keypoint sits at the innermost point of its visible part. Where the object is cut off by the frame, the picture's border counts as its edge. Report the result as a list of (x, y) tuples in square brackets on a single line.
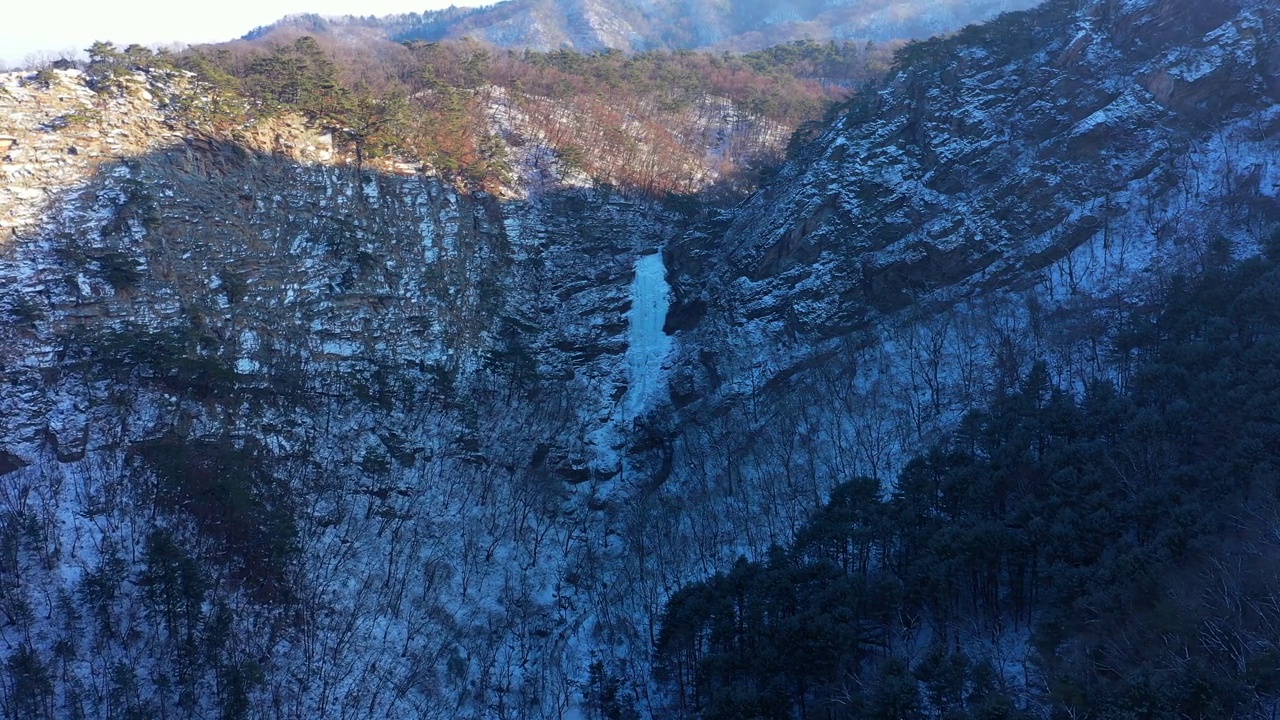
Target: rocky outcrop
[(57, 136)]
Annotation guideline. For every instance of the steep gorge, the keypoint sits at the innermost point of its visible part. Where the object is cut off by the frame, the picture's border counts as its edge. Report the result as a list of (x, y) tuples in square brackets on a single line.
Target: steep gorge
[(287, 439)]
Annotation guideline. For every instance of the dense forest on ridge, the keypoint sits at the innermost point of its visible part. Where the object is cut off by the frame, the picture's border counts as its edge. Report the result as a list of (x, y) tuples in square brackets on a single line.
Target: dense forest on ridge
[(1126, 529)]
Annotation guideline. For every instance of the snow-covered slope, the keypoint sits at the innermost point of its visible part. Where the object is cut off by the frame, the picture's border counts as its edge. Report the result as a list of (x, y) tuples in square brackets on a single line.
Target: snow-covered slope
[(1010, 196), (278, 439), (358, 410), (1069, 148)]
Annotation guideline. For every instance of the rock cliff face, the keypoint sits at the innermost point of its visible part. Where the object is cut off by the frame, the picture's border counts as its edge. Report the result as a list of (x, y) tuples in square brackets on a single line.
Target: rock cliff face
[(1068, 149), (282, 439), (430, 377)]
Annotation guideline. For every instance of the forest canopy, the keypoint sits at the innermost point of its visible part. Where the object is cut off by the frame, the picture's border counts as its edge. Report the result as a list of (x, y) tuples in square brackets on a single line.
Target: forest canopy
[(653, 123)]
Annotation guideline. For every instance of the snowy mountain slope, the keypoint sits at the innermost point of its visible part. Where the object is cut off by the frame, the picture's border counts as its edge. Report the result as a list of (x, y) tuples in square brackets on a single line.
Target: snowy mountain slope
[(1008, 197), (1002, 157), (385, 386), (283, 440)]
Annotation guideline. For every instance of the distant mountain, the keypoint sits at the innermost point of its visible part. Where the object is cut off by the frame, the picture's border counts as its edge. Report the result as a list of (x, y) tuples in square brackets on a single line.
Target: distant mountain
[(637, 25)]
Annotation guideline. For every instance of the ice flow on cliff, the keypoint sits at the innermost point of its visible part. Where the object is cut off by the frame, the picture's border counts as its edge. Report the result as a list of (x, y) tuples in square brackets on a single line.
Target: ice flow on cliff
[(648, 345)]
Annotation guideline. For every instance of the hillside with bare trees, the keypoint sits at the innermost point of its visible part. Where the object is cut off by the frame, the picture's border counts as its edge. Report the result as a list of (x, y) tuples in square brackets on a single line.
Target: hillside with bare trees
[(656, 124)]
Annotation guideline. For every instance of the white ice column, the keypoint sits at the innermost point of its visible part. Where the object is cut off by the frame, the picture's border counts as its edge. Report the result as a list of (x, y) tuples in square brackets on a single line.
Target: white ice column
[(649, 345)]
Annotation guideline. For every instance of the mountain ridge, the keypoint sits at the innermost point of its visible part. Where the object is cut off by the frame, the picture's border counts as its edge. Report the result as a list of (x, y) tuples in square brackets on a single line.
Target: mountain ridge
[(643, 25)]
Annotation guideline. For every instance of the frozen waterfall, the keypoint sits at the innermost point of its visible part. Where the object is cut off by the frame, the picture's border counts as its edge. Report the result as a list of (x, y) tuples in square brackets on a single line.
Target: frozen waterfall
[(648, 344)]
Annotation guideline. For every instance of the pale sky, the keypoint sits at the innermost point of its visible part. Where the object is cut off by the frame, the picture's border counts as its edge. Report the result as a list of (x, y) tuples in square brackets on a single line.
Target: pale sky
[(29, 26)]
